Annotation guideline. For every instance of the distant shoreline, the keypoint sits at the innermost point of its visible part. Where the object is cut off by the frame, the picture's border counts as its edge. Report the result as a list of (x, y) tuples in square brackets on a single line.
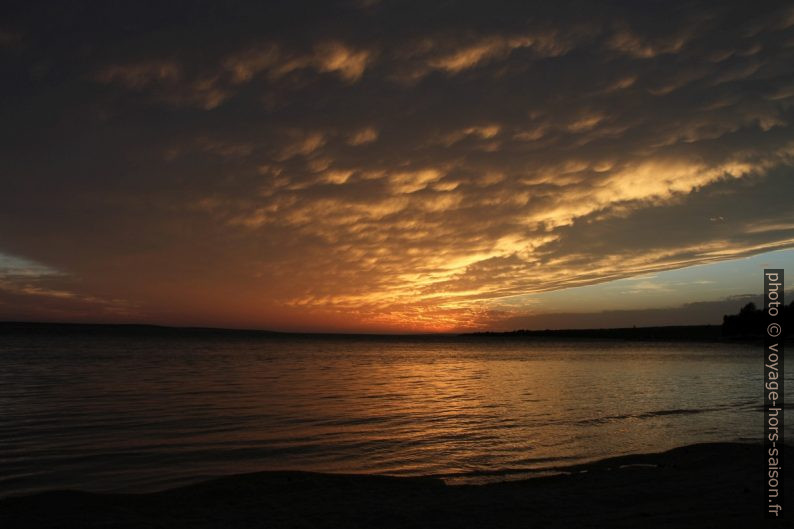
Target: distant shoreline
[(693, 333), (696, 333)]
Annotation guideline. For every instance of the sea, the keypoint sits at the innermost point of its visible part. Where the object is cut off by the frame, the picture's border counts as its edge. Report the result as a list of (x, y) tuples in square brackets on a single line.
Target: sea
[(146, 413)]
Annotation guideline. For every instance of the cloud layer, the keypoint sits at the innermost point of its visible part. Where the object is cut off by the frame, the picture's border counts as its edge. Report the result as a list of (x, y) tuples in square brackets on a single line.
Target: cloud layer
[(388, 165)]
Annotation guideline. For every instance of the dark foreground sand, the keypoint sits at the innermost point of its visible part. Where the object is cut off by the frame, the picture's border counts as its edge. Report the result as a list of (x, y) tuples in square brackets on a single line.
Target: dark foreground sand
[(707, 485)]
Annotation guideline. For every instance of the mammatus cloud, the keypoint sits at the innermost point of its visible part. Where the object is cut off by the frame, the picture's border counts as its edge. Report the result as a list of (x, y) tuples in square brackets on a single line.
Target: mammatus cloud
[(326, 57), (363, 136), (379, 171), (208, 86)]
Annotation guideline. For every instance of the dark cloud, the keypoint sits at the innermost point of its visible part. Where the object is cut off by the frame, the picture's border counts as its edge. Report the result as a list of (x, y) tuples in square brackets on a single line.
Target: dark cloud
[(387, 163)]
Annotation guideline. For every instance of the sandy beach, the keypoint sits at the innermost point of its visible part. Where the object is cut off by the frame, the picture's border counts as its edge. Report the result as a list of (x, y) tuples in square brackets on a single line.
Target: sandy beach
[(704, 485)]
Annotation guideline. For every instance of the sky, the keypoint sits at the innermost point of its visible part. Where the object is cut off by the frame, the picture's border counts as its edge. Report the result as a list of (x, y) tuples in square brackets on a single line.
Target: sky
[(384, 166)]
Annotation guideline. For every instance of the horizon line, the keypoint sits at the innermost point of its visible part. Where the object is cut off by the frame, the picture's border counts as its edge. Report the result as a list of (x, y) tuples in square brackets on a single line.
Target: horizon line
[(332, 333)]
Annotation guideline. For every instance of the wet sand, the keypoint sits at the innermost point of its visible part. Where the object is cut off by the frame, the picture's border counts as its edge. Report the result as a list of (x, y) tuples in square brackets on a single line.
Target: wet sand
[(705, 485)]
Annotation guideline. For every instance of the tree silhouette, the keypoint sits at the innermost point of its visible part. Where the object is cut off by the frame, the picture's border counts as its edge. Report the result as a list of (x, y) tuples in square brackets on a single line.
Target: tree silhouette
[(751, 320)]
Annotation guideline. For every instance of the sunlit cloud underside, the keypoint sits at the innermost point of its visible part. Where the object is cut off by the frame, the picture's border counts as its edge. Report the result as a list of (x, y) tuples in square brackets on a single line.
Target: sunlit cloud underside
[(367, 168)]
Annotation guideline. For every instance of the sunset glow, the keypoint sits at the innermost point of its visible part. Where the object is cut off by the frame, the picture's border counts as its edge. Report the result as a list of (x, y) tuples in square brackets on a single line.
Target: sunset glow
[(428, 173)]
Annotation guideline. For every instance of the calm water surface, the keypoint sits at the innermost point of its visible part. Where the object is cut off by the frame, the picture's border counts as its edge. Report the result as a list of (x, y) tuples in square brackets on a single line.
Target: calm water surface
[(136, 415)]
